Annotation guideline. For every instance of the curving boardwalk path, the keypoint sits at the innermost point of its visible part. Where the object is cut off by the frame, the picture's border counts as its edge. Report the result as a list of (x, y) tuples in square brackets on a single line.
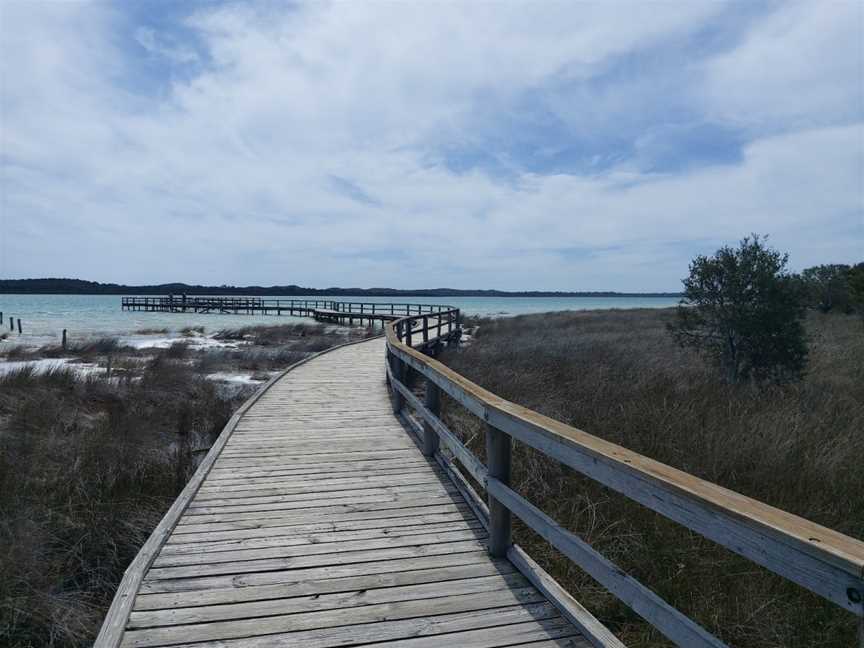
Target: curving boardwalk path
[(321, 524)]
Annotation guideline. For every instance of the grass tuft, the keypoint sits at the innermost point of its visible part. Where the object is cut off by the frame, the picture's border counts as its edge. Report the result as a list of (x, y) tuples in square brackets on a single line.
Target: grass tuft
[(87, 468), (619, 376)]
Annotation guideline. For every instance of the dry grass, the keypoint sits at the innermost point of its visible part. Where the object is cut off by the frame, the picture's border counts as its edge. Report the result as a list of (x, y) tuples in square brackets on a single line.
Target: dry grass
[(83, 351), (267, 348), (618, 375), (153, 331), (88, 466), (276, 334)]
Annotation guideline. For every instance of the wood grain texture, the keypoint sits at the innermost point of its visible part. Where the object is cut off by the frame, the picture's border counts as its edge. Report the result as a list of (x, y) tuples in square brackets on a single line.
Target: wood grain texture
[(110, 635), (319, 522), (822, 560)]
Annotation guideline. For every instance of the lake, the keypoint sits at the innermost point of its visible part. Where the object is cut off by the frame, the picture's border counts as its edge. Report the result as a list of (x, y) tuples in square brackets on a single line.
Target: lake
[(45, 316)]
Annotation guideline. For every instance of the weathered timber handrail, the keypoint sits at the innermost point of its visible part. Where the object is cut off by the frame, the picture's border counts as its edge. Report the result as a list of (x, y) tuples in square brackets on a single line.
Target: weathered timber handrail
[(822, 560)]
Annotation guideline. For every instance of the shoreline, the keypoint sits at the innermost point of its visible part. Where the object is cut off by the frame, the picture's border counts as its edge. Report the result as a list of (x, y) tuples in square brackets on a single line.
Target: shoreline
[(226, 356), (44, 317)]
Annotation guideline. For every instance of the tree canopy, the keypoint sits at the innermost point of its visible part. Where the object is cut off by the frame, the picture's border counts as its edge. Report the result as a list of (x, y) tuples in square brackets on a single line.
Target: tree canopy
[(742, 309)]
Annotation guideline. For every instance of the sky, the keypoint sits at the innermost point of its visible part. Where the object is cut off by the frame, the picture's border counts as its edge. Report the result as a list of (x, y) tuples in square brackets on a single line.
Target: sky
[(507, 145)]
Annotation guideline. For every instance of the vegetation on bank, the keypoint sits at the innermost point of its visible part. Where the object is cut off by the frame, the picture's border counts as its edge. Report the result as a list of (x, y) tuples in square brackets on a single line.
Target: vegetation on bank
[(89, 464), (620, 375), (743, 310), (834, 287), (56, 286)]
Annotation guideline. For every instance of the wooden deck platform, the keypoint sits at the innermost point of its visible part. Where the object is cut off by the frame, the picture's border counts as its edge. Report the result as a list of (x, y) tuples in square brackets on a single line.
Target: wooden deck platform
[(320, 523)]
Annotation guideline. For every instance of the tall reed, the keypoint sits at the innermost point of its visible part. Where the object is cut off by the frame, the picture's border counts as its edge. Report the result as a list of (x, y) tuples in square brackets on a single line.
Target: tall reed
[(618, 375)]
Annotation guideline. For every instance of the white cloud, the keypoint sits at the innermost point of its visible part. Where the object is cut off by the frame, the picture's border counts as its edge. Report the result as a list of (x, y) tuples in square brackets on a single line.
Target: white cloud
[(159, 45), (800, 66), (229, 175)]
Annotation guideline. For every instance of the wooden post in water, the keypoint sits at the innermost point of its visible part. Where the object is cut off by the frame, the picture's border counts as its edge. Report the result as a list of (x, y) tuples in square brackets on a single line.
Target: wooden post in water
[(1, 317), (64, 339), (19, 326), (11, 323), (498, 450), (433, 404)]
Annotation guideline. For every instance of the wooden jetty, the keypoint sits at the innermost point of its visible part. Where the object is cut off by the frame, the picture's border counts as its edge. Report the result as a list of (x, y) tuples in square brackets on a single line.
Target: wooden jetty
[(336, 509), (325, 310)]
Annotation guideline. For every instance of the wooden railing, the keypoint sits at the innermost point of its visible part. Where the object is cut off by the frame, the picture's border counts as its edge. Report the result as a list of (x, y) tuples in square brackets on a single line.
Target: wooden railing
[(183, 303), (193, 302), (389, 308), (823, 561)]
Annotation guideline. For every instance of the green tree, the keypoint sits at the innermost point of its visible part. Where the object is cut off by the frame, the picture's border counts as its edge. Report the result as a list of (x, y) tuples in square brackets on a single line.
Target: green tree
[(827, 287), (742, 309), (856, 287)]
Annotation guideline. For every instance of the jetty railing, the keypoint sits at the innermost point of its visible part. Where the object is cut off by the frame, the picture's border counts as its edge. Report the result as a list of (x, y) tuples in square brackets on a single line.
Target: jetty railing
[(334, 309), (183, 303), (376, 308), (824, 561)]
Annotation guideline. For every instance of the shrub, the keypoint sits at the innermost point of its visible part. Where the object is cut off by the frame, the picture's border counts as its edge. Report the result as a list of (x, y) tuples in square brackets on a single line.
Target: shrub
[(101, 346), (827, 287), (177, 350), (743, 311), (856, 287)]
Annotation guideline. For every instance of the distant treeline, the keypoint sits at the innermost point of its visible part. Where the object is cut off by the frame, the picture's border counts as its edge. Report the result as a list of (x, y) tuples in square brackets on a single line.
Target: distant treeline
[(833, 287), (81, 287)]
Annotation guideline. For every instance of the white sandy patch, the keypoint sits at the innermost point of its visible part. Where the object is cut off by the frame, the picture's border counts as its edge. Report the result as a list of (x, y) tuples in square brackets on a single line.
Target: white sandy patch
[(165, 342), (242, 378)]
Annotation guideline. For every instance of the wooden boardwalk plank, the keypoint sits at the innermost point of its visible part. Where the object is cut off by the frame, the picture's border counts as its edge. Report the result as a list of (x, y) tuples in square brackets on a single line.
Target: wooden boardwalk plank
[(321, 524), (210, 595), (366, 614), (292, 604), (314, 574), (394, 630), (287, 539)]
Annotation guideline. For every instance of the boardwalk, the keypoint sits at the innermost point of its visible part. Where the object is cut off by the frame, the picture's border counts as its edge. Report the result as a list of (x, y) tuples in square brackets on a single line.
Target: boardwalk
[(321, 524), (315, 520)]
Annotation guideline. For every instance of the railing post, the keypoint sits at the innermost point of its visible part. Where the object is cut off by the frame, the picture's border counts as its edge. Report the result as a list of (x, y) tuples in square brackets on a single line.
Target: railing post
[(398, 369), (498, 448), (433, 404), (861, 631), (455, 332), (409, 324)]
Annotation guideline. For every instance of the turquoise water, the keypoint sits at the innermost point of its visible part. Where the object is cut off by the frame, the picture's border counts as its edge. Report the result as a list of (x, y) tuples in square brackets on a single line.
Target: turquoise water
[(45, 316)]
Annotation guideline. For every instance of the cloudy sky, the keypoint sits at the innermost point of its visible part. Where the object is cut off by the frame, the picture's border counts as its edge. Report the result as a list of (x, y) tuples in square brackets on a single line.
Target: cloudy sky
[(509, 145)]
